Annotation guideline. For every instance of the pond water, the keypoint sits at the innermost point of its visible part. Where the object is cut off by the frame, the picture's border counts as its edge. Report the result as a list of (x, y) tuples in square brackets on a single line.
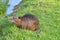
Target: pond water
[(12, 3)]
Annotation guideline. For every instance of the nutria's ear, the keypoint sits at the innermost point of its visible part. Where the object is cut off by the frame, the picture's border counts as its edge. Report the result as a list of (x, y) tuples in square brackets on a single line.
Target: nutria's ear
[(19, 17)]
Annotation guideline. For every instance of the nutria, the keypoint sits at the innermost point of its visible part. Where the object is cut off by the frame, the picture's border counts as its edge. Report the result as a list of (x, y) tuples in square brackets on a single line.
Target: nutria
[(27, 21)]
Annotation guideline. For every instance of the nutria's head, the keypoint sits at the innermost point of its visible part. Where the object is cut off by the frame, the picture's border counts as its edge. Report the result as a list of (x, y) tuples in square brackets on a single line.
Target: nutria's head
[(16, 20)]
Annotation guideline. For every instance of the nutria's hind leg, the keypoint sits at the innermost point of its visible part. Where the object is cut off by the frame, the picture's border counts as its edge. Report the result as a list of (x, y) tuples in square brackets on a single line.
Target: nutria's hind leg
[(34, 27)]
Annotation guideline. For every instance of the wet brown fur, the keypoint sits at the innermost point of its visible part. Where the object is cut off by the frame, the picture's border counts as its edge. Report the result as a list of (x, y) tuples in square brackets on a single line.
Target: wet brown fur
[(28, 21)]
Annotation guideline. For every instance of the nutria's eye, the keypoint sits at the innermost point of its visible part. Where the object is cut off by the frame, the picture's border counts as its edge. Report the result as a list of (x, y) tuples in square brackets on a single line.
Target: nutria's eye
[(19, 17)]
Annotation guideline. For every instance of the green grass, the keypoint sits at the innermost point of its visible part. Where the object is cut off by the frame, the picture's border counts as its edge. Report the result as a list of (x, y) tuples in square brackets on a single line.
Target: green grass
[(3, 6), (48, 13)]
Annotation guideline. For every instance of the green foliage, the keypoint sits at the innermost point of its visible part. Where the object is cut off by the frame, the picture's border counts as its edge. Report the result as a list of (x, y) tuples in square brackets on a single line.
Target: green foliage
[(3, 6), (48, 13)]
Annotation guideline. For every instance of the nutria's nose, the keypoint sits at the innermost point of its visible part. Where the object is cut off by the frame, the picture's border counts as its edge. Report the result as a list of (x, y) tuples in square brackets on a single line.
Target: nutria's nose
[(11, 20), (15, 17)]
